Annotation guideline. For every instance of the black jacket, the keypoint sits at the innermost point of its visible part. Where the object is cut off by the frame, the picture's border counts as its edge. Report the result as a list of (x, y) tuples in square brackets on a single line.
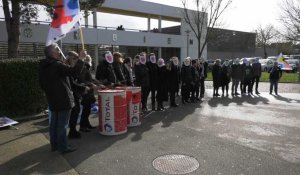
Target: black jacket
[(275, 73), (225, 75), (248, 72), (128, 74), (118, 68), (186, 75), (153, 75), (54, 80), (236, 71), (86, 78), (105, 73), (142, 75), (173, 78), (162, 88)]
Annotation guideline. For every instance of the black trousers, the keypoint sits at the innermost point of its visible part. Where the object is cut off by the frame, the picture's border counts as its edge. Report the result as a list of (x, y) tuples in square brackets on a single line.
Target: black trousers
[(153, 94), (74, 115), (255, 81), (195, 92), (185, 92), (247, 82), (202, 87), (86, 111), (172, 98), (145, 94)]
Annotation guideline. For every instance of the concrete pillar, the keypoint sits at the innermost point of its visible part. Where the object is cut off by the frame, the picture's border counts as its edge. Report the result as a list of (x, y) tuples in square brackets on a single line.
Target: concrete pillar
[(159, 23), (95, 17), (86, 19), (159, 52), (96, 55), (149, 23)]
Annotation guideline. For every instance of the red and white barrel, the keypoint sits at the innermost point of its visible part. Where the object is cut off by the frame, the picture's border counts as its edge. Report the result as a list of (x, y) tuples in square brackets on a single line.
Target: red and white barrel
[(134, 106), (112, 112)]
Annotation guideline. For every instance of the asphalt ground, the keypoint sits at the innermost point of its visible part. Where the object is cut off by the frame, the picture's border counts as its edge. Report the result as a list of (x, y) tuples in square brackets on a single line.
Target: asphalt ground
[(226, 135)]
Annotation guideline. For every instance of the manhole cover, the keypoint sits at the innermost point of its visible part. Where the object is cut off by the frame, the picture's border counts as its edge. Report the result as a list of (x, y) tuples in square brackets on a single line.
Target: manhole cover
[(175, 164)]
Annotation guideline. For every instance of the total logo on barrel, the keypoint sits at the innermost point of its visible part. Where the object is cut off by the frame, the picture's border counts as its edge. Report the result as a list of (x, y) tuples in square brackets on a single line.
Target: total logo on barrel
[(134, 106), (112, 112)]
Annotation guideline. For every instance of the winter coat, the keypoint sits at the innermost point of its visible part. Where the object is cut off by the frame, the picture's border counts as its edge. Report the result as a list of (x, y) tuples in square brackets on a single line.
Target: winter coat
[(195, 76), (86, 78), (153, 75), (225, 75), (236, 71), (118, 68), (128, 74), (256, 69), (105, 73), (173, 78), (186, 75), (162, 88), (142, 75), (275, 73), (216, 75), (248, 72), (54, 80), (205, 64)]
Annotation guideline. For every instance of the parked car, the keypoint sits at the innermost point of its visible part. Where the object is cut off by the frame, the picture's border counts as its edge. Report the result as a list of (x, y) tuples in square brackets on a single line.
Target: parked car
[(251, 59), (274, 58), (210, 64), (296, 57), (294, 63), (266, 64)]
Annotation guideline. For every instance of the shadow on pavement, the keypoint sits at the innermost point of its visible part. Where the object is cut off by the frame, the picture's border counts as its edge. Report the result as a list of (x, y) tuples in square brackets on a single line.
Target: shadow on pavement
[(94, 143), (288, 100), (239, 100), (42, 161)]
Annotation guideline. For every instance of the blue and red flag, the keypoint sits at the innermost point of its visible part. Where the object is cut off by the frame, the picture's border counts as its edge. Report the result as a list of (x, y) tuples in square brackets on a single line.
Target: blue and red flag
[(66, 19), (282, 63)]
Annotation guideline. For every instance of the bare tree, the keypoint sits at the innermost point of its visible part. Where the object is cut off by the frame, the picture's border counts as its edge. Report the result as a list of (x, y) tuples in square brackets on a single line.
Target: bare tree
[(290, 19), (24, 10), (264, 36), (204, 18)]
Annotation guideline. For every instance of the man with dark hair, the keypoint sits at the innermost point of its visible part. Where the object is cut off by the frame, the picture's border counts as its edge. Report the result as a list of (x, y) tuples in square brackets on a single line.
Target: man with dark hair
[(118, 67), (54, 80), (275, 75), (256, 74), (128, 72)]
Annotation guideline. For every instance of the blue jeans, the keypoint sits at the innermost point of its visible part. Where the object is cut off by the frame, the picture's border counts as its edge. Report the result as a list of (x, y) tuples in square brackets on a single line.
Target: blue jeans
[(273, 83), (58, 130)]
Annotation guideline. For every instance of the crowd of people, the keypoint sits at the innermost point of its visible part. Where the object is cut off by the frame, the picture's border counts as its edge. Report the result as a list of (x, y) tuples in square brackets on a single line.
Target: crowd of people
[(160, 77), (246, 75), (69, 84)]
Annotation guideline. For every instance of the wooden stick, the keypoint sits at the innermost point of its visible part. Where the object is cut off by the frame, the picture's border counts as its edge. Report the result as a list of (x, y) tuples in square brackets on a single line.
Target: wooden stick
[(61, 52), (81, 38)]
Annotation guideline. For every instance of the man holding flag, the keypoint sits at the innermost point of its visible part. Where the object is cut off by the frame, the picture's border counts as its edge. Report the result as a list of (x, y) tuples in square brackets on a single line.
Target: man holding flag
[(54, 73)]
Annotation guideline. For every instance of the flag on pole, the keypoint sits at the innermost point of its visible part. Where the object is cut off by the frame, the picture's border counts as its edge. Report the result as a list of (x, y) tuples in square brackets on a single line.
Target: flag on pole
[(66, 19), (282, 63)]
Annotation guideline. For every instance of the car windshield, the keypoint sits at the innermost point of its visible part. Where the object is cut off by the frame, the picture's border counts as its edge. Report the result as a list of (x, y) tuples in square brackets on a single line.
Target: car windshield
[(263, 61)]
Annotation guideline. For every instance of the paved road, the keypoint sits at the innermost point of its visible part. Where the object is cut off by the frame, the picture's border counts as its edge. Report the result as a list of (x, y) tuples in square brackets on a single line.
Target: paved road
[(229, 135)]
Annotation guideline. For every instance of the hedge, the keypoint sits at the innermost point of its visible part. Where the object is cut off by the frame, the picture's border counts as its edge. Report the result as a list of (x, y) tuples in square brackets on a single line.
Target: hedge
[(20, 93)]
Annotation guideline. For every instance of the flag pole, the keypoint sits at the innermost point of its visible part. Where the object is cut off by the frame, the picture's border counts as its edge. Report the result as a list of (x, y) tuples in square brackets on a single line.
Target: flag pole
[(62, 54), (81, 37)]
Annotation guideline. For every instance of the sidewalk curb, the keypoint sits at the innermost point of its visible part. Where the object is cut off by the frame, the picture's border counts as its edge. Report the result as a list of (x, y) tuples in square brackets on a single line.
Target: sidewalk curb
[(31, 117)]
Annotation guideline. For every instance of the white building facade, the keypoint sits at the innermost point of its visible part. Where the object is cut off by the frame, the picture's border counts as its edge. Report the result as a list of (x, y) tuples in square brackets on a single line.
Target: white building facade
[(97, 36)]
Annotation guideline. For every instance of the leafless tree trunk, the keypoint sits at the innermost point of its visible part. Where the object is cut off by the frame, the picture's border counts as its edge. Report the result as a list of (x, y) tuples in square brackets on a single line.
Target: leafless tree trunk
[(205, 17), (264, 37), (12, 20), (290, 19)]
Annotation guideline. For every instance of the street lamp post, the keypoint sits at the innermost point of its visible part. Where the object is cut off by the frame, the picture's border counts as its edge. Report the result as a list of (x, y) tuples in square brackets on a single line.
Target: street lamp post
[(187, 41)]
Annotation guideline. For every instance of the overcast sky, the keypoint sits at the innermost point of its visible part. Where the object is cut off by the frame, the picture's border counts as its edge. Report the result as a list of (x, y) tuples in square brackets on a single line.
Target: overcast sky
[(242, 15)]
